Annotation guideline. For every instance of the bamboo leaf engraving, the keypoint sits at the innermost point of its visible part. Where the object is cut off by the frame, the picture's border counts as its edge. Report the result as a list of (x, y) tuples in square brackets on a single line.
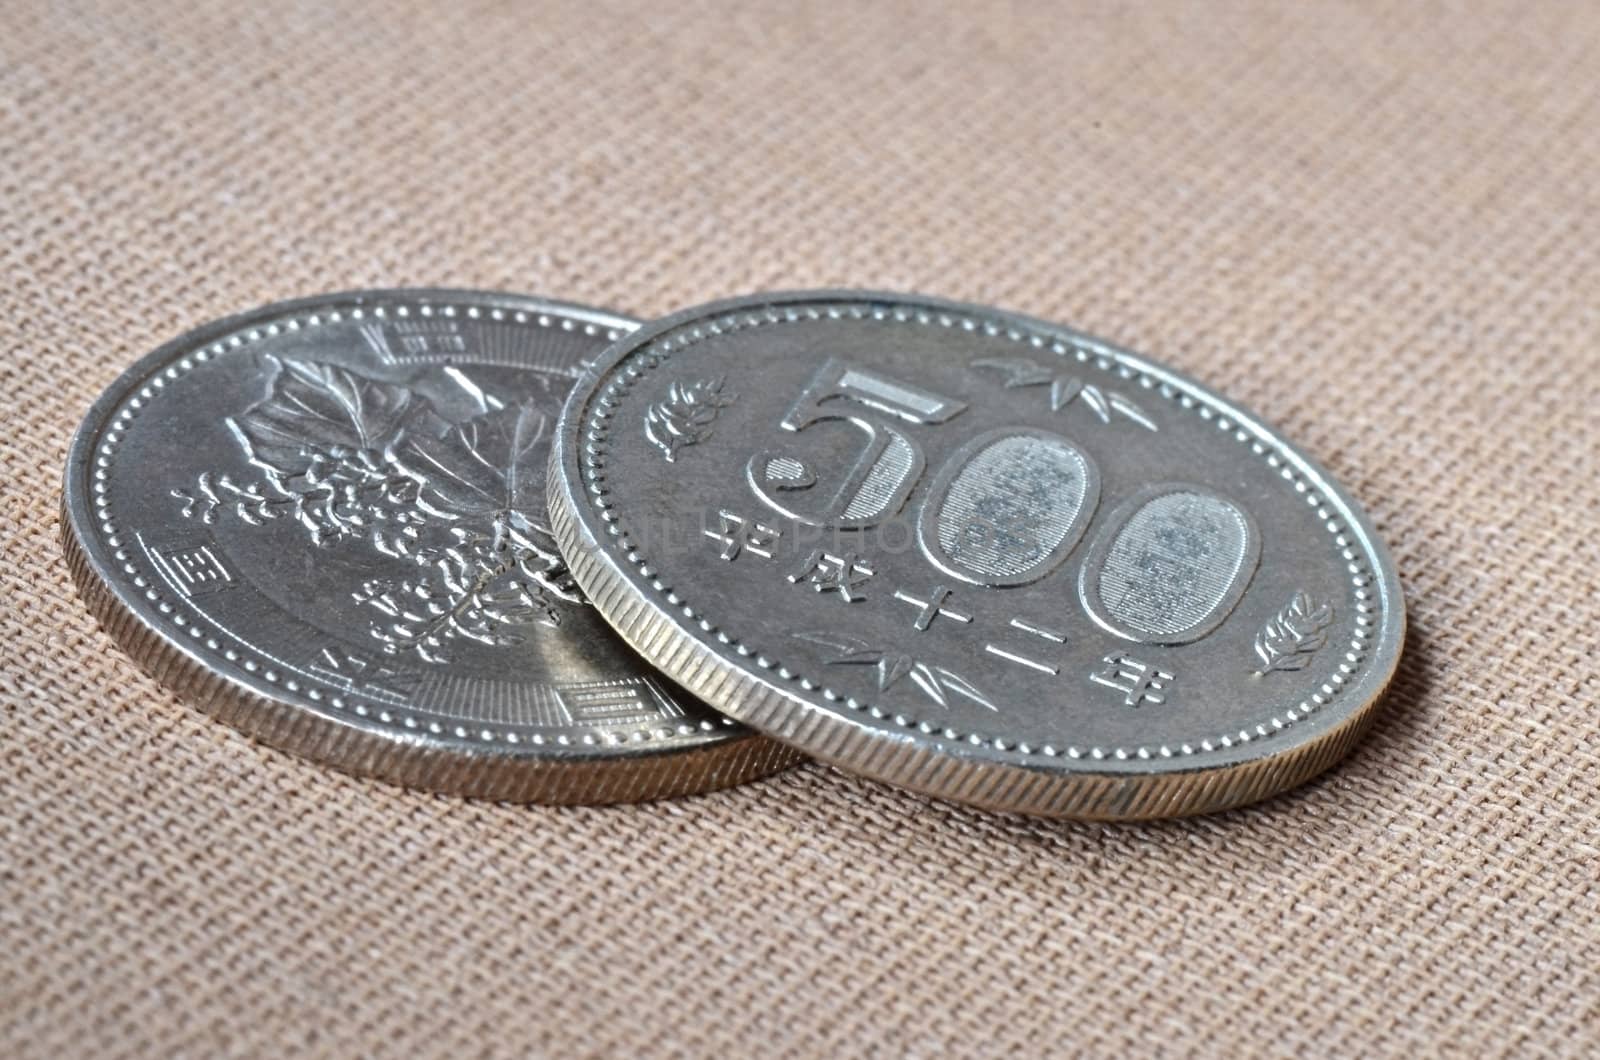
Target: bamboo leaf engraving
[(686, 416), (1097, 401), (954, 682), (1016, 372), (935, 682), (1294, 635), (1127, 408)]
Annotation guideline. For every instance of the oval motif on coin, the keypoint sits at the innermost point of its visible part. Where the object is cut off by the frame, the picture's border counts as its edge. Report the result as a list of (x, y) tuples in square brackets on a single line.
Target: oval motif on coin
[(1170, 565), (1009, 507), (975, 554)]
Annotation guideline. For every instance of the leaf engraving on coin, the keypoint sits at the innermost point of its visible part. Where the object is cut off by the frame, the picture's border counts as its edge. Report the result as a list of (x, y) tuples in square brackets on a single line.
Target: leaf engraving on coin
[(1289, 640), (936, 682), (460, 506), (686, 416), (1064, 389)]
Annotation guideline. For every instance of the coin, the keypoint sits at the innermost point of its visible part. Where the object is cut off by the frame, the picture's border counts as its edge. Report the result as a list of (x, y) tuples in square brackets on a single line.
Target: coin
[(974, 554), (324, 522)]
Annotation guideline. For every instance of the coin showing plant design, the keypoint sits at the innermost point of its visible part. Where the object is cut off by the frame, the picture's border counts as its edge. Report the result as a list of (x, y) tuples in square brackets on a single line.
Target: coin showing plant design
[(326, 521), (975, 554), (358, 462)]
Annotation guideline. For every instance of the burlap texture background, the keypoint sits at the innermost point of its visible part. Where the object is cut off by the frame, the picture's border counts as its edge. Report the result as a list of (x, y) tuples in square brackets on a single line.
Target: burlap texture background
[(1379, 225)]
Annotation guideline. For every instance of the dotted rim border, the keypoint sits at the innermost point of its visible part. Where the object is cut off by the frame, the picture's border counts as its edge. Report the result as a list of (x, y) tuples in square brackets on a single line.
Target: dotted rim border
[(659, 350), (114, 427)]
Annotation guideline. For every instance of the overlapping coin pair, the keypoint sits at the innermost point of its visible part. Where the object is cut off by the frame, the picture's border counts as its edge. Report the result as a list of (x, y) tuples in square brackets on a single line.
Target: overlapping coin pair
[(518, 549)]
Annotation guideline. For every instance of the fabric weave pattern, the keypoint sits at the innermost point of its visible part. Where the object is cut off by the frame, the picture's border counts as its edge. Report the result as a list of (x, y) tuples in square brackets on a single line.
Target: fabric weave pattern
[(1377, 225)]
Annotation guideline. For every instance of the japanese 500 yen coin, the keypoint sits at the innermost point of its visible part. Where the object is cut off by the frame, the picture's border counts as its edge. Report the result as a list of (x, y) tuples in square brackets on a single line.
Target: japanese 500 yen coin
[(324, 522), (974, 554)]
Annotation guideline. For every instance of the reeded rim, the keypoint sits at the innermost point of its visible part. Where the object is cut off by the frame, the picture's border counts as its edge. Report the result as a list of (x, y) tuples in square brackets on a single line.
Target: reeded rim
[(443, 763), (1106, 789)]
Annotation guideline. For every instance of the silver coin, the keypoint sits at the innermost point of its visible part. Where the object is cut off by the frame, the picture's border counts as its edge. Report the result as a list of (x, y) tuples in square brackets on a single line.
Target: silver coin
[(324, 521), (974, 554)]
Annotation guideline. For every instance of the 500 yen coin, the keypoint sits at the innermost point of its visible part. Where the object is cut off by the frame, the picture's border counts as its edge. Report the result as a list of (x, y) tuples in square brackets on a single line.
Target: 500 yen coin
[(974, 554)]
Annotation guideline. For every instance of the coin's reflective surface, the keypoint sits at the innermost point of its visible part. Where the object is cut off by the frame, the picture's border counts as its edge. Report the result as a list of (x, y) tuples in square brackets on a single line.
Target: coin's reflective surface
[(325, 521), (975, 554)]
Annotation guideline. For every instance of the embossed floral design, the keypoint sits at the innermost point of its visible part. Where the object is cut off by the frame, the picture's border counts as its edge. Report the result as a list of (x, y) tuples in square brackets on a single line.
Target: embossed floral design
[(1293, 636), (358, 460), (935, 682)]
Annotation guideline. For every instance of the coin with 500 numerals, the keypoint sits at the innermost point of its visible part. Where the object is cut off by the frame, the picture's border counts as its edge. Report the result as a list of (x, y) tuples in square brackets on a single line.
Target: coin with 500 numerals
[(975, 554)]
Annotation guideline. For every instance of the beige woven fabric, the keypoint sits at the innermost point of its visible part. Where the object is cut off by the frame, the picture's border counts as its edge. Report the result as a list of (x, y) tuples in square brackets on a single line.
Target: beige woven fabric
[(1379, 225)]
